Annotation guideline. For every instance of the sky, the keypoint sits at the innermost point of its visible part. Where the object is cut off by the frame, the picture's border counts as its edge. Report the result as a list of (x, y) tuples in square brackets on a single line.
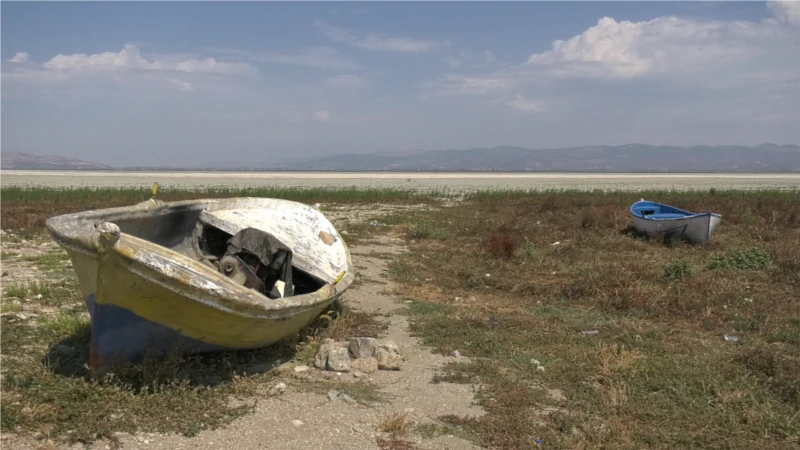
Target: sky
[(171, 83)]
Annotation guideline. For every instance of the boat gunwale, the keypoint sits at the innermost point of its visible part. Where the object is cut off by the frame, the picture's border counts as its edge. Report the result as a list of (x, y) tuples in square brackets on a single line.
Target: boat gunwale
[(689, 214)]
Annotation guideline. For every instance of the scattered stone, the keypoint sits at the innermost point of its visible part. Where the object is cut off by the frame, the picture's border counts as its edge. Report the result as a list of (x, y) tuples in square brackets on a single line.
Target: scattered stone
[(321, 360), (347, 399), (332, 395), (388, 361), (360, 374), (38, 296), (339, 360), (278, 389), (557, 395), (21, 316), (535, 363), (389, 346), (456, 353), (590, 332), (297, 423), (363, 347), (365, 365), (301, 369)]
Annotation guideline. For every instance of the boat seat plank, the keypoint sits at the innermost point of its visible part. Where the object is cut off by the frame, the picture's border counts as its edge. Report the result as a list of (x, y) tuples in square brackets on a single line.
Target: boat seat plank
[(665, 216)]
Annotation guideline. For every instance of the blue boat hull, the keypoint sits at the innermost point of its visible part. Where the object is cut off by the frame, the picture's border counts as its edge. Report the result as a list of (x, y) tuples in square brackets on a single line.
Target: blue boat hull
[(119, 335)]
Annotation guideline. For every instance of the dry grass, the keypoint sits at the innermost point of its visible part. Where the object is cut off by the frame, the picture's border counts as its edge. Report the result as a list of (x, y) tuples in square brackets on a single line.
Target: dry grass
[(654, 370), (27, 209), (395, 423)]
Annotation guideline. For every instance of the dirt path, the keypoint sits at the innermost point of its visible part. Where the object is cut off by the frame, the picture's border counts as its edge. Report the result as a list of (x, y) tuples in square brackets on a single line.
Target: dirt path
[(305, 418)]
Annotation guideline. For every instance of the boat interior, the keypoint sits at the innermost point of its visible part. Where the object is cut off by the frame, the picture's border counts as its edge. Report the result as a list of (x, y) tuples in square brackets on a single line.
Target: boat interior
[(182, 230), (650, 210)]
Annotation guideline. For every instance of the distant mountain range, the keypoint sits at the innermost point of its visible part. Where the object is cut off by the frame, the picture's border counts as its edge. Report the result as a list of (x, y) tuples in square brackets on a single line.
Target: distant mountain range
[(624, 158), (26, 161)]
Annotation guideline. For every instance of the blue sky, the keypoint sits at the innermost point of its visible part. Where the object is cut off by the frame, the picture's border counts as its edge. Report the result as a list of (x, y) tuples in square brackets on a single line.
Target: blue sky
[(150, 83)]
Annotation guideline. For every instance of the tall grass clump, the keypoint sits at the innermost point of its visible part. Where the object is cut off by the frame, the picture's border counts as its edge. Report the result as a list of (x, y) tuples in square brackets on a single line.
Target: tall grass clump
[(754, 258)]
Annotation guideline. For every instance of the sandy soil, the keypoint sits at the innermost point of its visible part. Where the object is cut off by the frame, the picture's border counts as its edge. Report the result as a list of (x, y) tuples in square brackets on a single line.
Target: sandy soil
[(449, 182)]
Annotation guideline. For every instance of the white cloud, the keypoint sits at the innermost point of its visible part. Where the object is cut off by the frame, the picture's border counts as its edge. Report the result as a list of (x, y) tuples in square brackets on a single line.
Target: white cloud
[(624, 50), (319, 57), (523, 104), (322, 115), (20, 57), (130, 58), (345, 81), (464, 85), (667, 61), (373, 41), (180, 84), (786, 11)]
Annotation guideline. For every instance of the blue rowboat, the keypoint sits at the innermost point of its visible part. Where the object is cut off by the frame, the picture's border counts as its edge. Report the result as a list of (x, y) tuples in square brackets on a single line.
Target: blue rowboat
[(658, 219)]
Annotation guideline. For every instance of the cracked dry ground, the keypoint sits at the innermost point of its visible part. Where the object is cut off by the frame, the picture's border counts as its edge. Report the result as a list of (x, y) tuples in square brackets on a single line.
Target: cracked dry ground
[(305, 418)]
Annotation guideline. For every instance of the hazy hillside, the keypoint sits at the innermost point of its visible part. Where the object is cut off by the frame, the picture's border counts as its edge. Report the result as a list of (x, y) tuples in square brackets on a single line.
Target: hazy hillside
[(26, 161), (625, 158)]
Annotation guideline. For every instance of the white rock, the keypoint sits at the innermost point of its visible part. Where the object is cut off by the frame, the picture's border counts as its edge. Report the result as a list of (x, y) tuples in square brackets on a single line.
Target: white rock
[(363, 347), (365, 365), (339, 360), (301, 369), (321, 360), (388, 361), (389, 346), (278, 389), (297, 423), (557, 395)]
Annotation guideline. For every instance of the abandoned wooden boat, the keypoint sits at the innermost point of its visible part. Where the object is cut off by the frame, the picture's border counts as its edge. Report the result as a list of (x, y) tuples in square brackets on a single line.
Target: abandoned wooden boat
[(201, 275), (653, 219)]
